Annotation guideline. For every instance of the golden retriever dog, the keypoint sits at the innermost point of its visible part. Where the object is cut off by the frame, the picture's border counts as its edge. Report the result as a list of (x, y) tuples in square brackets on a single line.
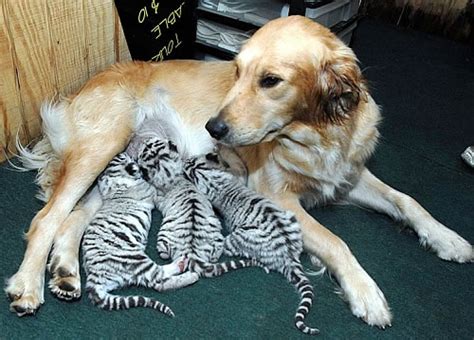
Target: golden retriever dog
[(293, 105)]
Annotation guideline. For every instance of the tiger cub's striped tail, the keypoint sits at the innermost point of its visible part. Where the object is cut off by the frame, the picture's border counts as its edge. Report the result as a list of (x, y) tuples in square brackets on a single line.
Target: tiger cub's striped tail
[(304, 288), (105, 300), (217, 269)]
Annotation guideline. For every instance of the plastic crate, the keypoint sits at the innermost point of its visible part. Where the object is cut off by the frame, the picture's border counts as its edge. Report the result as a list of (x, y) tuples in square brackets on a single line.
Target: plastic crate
[(223, 37), (257, 13), (260, 12), (331, 13), (346, 34)]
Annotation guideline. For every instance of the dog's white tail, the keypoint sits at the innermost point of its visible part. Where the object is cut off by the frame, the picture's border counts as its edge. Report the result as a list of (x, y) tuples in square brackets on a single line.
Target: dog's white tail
[(45, 157)]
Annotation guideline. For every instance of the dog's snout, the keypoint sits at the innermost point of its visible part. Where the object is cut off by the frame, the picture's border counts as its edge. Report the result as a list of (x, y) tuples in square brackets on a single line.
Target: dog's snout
[(217, 128)]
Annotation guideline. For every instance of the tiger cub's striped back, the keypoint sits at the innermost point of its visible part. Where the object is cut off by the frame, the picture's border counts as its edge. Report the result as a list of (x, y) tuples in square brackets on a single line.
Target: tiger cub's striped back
[(259, 228), (115, 240), (190, 227)]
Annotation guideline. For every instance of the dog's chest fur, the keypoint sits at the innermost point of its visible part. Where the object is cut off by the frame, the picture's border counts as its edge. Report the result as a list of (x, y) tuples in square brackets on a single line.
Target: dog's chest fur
[(319, 166), (319, 173)]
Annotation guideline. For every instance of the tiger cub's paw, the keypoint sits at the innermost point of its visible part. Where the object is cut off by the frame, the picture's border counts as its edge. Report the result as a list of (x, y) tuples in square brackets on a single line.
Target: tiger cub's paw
[(182, 263), (164, 250)]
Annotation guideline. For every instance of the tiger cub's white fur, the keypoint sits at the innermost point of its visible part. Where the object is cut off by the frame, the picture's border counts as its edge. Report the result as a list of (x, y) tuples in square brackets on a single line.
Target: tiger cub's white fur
[(190, 227), (115, 240), (259, 229)]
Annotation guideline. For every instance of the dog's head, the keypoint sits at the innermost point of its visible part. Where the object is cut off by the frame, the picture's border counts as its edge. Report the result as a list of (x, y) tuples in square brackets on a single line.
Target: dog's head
[(292, 69)]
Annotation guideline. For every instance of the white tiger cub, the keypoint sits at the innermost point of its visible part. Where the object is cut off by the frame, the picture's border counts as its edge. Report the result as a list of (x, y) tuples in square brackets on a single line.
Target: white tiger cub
[(190, 226), (115, 240), (259, 229)]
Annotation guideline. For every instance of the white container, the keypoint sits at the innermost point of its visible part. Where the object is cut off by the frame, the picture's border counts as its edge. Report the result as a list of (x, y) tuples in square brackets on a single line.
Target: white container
[(331, 13), (231, 39), (346, 34), (214, 34), (254, 12)]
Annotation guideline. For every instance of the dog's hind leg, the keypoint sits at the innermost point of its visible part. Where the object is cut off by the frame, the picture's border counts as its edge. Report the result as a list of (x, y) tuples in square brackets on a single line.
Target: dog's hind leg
[(82, 163), (372, 193), (64, 261)]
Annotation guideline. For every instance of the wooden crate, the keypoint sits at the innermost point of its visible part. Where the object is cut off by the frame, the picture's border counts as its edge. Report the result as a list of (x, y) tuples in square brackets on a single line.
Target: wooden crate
[(49, 47)]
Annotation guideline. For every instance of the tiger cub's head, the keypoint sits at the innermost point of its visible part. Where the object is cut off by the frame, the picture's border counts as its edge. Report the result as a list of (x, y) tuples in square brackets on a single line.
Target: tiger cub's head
[(206, 172), (160, 162), (119, 176)]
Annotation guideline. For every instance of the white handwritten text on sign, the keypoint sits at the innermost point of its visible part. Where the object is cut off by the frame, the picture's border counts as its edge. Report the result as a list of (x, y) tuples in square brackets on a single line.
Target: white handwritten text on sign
[(165, 24)]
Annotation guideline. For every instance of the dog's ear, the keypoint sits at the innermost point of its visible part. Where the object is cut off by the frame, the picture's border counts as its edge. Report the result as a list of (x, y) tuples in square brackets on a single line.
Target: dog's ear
[(341, 89)]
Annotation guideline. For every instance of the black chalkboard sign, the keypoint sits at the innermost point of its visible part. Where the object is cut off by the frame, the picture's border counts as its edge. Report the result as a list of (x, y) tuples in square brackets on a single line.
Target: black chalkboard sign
[(157, 30)]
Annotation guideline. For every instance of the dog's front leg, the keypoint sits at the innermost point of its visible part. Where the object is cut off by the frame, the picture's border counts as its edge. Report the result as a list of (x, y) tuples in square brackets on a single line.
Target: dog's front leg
[(365, 298), (373, 193)]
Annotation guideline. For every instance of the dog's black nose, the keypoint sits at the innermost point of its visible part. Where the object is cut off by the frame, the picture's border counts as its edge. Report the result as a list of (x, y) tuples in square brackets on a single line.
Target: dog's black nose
[(217, 128)]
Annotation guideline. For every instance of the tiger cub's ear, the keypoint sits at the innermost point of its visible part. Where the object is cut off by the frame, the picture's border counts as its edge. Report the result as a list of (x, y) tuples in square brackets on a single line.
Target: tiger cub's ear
[(145, 174), (172, 146)]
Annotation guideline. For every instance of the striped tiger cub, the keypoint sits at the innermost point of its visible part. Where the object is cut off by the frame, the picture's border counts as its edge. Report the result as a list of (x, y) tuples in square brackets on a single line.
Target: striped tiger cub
[(190, 227), (259, 229), (115, 240)]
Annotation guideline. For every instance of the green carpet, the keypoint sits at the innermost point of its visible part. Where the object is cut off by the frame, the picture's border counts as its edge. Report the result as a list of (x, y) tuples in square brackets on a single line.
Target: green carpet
[(425, 86)]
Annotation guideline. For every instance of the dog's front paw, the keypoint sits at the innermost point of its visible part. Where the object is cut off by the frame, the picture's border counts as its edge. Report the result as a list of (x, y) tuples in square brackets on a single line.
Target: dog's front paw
[(26, 298), (65, 283), (367, 301), (448, 245), (460, 251)]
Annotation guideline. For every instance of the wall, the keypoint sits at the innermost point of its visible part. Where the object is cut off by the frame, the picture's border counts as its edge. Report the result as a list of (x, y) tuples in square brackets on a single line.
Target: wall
[(49, 47)]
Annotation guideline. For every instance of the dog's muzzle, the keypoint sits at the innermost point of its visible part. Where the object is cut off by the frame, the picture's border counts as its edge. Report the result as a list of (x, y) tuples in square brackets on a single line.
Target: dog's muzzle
[(217, 128)]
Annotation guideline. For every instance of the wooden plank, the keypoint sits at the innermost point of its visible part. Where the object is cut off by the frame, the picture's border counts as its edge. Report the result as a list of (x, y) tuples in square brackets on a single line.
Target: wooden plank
[(10, 105), (48, 47), (100, 34), (67, 36), (28, 30), (122, 52)]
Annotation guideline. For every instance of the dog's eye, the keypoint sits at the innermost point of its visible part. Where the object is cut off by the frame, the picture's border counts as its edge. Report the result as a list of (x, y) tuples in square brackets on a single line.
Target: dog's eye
[(269, 81)]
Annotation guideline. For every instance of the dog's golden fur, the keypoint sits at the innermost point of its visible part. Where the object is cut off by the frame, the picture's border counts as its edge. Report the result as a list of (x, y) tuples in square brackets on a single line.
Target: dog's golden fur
[(298, 114)]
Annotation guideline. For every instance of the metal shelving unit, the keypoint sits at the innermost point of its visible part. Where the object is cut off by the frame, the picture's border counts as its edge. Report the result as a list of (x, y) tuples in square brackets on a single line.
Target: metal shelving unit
[(223, 25)]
